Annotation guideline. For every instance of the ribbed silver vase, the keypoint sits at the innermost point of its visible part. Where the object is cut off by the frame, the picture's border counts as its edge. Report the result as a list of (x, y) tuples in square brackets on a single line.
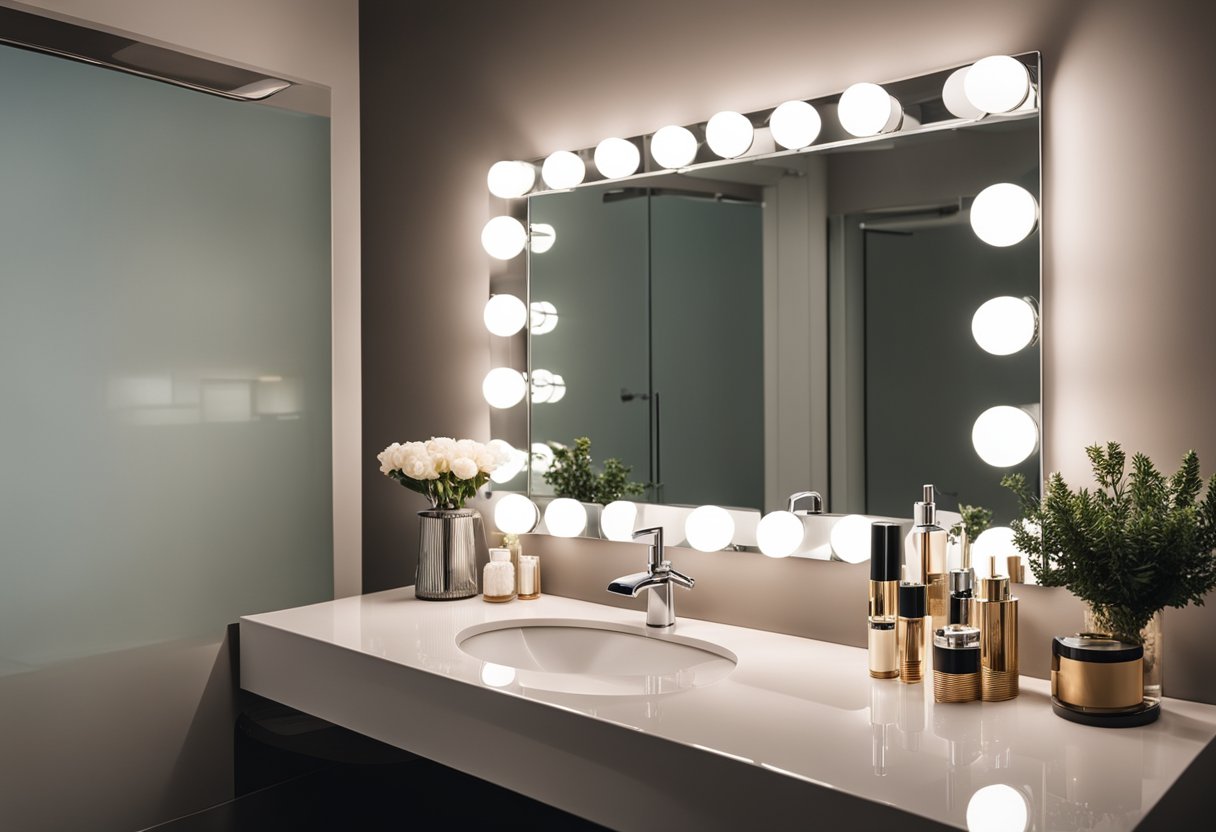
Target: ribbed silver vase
[(447, 554)]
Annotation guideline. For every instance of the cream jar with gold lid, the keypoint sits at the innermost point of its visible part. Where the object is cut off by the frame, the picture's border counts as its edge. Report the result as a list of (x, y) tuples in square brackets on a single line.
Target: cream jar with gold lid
[(1099, 680)]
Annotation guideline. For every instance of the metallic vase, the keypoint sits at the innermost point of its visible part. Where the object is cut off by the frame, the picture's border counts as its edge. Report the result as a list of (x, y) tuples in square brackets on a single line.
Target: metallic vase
[(448, 544)]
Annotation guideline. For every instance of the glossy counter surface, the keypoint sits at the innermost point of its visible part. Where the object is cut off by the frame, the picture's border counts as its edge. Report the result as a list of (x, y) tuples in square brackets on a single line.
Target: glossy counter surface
[(794, 710)]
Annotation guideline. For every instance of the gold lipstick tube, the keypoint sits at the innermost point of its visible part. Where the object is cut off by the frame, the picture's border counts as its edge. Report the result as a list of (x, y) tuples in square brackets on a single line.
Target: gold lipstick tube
[(995, 612), (910, 632)]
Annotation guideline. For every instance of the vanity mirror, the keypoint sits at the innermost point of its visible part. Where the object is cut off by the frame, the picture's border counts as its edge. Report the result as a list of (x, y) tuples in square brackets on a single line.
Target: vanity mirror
[(740, 320)]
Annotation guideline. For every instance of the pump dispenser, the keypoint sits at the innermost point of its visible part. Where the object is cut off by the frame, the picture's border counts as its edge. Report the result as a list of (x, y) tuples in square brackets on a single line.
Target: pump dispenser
[(927, 558)]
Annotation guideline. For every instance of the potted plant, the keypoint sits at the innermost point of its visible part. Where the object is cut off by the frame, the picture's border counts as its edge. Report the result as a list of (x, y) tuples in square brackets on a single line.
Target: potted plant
[(571, 475), (1136, 544), (447, 472), (975, 519)]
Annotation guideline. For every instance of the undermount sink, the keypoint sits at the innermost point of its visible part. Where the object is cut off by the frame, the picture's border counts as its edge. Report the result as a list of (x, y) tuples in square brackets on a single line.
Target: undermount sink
[(592, 658)]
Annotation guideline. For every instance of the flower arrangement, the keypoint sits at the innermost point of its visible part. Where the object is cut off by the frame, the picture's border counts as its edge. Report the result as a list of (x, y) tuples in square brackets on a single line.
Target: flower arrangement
[(446, 471)]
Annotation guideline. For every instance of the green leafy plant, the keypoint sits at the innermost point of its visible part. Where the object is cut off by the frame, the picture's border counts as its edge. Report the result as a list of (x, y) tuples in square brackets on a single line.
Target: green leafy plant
[(975, 520), (1135, 545), (571, 475)]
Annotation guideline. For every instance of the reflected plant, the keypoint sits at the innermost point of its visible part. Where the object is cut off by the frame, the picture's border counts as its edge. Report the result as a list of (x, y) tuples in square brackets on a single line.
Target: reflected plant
[(975, 520), (571, 475)]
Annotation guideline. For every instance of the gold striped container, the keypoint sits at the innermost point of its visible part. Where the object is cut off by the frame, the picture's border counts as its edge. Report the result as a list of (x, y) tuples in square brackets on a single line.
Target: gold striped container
[(995, 612), (956, 664)]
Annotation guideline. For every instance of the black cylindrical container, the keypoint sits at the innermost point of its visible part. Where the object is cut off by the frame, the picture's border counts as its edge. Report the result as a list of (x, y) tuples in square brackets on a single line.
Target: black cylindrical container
[(956, 664)]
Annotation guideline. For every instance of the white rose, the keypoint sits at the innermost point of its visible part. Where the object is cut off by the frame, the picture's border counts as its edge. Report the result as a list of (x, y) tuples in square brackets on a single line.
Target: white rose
[(417, 462), (442, 450), (387, 459), (464, 468)]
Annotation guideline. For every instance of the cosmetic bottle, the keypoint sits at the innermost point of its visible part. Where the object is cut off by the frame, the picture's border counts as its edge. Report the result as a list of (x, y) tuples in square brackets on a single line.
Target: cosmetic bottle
[(885, 545), (956, 663), (927, 556), (910, 632), (995, 613), (529, 577), (498, 578), (962, 582)]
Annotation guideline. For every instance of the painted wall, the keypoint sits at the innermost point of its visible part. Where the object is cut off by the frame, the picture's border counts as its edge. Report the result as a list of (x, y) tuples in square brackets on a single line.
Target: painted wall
[(141, 736), (450, 88)]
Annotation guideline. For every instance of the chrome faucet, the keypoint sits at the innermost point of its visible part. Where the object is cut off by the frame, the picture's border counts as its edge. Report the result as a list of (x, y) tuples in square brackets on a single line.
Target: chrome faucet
[(815, 498), (659, 578)]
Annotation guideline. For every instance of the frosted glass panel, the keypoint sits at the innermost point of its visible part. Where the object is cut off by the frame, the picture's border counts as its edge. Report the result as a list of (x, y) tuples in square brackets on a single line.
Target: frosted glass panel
[(164, 361)]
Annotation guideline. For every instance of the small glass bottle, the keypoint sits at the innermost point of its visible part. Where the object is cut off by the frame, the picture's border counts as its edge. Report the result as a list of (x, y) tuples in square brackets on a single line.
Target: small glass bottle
[(529, 577), (498, 579), (511, 543)]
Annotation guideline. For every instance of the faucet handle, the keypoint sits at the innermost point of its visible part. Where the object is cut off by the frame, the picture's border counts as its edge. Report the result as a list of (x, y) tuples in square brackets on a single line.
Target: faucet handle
[(679, 578)]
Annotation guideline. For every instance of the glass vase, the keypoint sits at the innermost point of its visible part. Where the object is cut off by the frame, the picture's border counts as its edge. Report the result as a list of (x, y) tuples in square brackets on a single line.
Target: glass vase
[(1151, 638)]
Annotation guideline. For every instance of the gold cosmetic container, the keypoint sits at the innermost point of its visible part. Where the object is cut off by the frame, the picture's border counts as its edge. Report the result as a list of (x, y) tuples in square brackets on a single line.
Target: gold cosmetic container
[(956, 664), (995, 613), (885, 545), (910, 632), (1099, 680), (928, 557)]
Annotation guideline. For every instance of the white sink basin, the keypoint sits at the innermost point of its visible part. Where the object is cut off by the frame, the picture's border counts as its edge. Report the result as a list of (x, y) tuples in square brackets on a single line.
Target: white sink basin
[(592, 658)]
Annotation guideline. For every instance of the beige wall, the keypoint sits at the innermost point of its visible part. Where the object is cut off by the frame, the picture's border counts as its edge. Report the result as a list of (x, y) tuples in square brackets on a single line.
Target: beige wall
[(122, 741), (449, 88)]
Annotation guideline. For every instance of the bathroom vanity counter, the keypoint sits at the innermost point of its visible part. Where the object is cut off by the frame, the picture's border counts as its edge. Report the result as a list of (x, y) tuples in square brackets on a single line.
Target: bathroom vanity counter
[(796, 735)]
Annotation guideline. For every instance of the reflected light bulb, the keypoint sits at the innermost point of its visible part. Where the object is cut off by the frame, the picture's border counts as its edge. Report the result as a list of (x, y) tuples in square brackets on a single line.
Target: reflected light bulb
[(1003, 436), (779, 534), (709, 528), (559, 389), (565, 517), (515, 514), (542, 457), (542, 318), (509, 180), (955, 98), (497, 675), (850, 538), (1004, 325), (503, 387), (867, 110), (542, 238), (615, 158), (544, 386), (504, 315), (795, 124), (515, 461), (729, 134), (504, 237), (673, 146), (997, 84), (993, 541), (1004, 214), (618, 519), (997, 808), (562, 170)]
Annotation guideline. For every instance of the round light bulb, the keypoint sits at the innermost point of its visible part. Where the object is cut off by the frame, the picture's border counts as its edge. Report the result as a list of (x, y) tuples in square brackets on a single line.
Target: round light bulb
[(504, 315), (709, 528), (504, 237), (542, 317), (558, 385), (867, 110), (515, 514), (565, 517), (515, 461), (542, 457), (618, 519), (997, 84), (544, 386), (615, 158), (779, 534), (1004, 325), (497, 675), (997, 808), (850, 538), (503, 387), (542, 238), (795, 124), (1003, 436), (729, 134), (563, 169), (955, 98), (673, 146), (510, 180), (1004, 214)]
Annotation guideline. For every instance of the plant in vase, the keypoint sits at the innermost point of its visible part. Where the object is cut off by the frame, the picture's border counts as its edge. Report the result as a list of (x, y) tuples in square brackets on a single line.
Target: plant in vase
[(1133, 546), (975, 519)]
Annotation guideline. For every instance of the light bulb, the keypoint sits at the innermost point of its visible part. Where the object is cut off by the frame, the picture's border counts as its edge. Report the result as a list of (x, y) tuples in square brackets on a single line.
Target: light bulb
[(497, 675), (542, 457), (515, 514), (545, 386), (1004, 325), (729, 134), (615, 158), (510, 180), (867, 110), (1004, 214), (504, 237), (558, 385), (542, 317), (851, 538), (504, 315), (618, 519), (779, 534), (563, 169), (795, 124), (673, 146), (565, 517), (542, 238), (709, 528), (1003, 436), (997, 84), (503, 387), (516, 460), (955, 98), (997, 808), (994, 541)]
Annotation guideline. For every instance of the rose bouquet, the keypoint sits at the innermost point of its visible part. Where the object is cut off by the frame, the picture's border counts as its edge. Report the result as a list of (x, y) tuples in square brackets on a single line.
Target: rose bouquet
[(445, 471)]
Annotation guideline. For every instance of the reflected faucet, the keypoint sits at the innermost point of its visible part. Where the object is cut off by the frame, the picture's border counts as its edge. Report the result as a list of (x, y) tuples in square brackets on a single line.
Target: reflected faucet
[(659, 578), (815, 498)]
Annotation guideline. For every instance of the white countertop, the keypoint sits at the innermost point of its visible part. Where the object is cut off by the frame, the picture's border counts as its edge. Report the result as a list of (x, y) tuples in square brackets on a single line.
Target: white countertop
[(792, 708)]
